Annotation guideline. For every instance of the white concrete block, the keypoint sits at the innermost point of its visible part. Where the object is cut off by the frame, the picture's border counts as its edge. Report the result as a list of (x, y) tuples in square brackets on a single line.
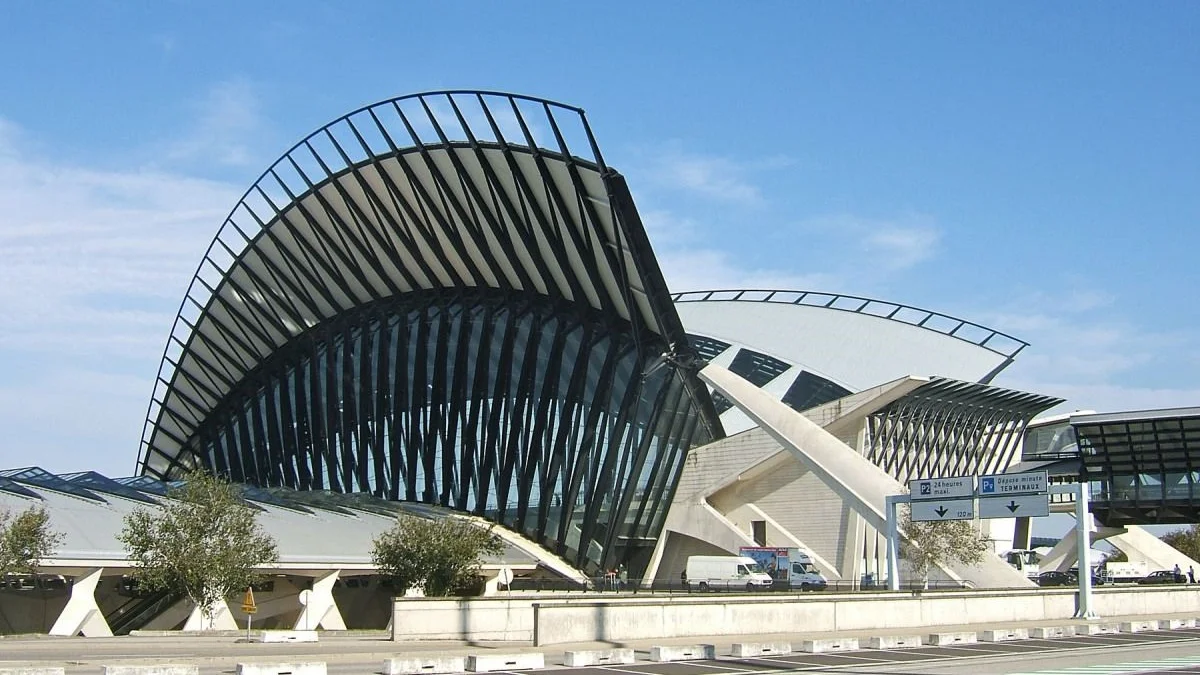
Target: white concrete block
[(943, 639), (425, 664), (829, 645), (1174, 624), (33, 670), (1004, 635), (683, 653), (748, 649), (278, 668), (1097, 628), (597, 657), (1051, 632), (156, 669), (894, 642), (482, 663), (287, 636), (1138, 626)]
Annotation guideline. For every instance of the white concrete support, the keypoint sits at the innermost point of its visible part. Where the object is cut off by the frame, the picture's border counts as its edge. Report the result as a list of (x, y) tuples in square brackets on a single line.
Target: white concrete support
[(1052, 632), (320, 609), (894, 642), (829, 645), (82, 614), (283, 668), (943, 639), (745, 650), (218, 618), (1083, 518), (417, 665), (893, 542), (482, 663), (1097, 628), (1004, 635), (1175, 624), (33, 670), (597, 657), (683, 653), (1138, 626)]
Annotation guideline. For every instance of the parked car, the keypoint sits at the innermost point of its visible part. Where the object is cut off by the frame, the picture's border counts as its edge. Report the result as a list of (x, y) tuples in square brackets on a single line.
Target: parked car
[(1162, 577), (1052, 578)]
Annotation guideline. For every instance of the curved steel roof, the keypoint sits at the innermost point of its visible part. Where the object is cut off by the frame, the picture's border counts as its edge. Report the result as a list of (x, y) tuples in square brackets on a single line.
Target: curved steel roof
[(967, 331), (435, 191)]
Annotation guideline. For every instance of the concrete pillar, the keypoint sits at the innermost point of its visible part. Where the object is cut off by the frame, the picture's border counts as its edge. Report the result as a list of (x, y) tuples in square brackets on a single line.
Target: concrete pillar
[(1023, 534), (219, 618), (320, 609), (82, 614)]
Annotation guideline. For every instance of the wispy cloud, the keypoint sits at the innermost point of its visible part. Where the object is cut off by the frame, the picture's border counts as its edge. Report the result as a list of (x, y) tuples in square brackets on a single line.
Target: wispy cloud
[(710, 177), (888, 244), (708, 269), (93, 264), (228, 121)]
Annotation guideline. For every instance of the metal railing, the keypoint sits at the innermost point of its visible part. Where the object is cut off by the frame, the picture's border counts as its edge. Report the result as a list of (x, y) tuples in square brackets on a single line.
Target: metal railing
[(611, 584)]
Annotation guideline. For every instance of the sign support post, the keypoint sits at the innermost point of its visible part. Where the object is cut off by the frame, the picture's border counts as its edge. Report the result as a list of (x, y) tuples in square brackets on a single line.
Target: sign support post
[(893, 540), (1083, 522), (249, 608)]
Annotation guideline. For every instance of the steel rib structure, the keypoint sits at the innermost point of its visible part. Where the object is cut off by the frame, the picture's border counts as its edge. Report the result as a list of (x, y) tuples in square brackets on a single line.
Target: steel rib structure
[(446, 298)]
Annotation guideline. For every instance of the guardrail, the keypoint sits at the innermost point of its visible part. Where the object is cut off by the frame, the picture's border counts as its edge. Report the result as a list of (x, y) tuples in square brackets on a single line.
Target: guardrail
[(615, 584)]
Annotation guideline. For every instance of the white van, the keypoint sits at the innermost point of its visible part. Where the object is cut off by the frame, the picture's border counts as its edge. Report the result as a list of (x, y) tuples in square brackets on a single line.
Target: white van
[(725, 572)]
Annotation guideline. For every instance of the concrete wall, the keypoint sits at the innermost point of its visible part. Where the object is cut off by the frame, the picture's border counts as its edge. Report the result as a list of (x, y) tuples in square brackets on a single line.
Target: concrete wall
[(590, 618)]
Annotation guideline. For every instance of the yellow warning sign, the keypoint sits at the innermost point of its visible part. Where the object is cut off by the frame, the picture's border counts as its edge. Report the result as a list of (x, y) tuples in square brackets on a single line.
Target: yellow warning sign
[(248, 605)]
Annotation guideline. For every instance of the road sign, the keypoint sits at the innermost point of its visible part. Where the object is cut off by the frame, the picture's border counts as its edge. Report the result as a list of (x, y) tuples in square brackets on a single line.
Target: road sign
[(941, 488), (1014, 506), (1032, 482), (943, 509), (248, 605)]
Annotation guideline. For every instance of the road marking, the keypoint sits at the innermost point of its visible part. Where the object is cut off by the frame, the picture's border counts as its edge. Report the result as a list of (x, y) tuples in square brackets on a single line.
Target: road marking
[(1117, 668)]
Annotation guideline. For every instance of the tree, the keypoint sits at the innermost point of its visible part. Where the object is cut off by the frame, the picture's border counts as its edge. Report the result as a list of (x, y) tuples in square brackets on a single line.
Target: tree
[(934, 543), (204, 542), (26, 540), (1186, 541), (442, 555)]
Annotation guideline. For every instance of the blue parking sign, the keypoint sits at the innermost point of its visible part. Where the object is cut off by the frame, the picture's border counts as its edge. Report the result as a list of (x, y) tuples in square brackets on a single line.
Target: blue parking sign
[(987, 485)]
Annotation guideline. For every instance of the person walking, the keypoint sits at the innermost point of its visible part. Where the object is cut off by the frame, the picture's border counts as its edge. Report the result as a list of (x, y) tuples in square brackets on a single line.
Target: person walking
[(1178, 574), (1191, 575)]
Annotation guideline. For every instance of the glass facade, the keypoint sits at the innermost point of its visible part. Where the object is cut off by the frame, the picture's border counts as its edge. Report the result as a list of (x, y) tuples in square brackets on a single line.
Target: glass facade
[(1143, 470), (530, 413)]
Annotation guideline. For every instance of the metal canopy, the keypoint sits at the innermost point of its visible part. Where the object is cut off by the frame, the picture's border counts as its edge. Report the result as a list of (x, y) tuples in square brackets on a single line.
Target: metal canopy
[(951, 428), (443, 191), (1144, 466)]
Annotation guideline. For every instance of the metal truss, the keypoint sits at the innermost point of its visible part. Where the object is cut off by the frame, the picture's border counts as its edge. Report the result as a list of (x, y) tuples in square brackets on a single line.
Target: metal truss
[(952, 428), (1144, 467), (436, 200)]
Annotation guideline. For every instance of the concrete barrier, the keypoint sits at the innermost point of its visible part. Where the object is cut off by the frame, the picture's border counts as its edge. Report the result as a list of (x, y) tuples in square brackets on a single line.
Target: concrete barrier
[(412, 665), (829, 645), (287, 636), (597, 657), (683, 653), (289, 668), (1138, 626), (894, 642), (482, 663), (156, 669), (1097, 628), (1004, 635), (943, 639), (33, 670), (1175, 624), (1052, 632), (749, 649), (585, 618)]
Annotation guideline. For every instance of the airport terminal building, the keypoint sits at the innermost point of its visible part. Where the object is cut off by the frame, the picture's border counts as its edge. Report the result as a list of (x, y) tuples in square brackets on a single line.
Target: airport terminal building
[(446, 303)]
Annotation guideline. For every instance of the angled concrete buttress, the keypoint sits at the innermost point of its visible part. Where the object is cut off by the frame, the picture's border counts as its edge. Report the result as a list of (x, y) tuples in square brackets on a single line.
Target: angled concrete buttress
[(863, 485), (320, 609), (82, 614)]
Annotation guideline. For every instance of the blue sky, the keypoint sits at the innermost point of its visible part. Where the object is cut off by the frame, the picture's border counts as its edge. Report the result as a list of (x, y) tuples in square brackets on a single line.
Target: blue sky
[(1031, 167)]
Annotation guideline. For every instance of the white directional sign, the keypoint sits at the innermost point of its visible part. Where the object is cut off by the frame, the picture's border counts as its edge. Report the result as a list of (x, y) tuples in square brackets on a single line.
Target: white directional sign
[(941, 488), (1014, 506), (1032, 482), (943, 509)]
